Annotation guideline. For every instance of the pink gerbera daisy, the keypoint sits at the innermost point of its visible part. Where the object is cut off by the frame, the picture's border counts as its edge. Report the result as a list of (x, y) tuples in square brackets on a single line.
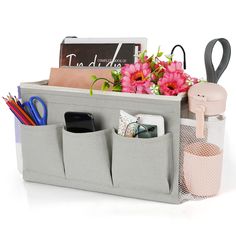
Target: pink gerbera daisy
[(174, 80), (136, 78), (172, 84)]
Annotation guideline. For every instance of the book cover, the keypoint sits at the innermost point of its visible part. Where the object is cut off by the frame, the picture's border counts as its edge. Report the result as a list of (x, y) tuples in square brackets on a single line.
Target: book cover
[(98, 54)]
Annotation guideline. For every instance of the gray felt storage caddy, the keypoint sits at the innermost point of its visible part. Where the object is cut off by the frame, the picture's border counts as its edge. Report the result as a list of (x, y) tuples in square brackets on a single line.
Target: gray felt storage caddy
[(103, 161)]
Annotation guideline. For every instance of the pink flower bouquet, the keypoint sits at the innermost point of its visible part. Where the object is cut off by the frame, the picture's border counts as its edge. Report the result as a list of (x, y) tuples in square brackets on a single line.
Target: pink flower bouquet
[(150, 75)]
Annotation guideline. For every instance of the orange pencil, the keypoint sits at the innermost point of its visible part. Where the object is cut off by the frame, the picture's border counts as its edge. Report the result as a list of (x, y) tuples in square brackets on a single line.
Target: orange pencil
[(16, 112), (12, 101)]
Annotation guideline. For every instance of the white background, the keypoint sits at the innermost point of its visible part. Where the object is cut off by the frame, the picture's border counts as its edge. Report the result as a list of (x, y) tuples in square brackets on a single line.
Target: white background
[(31, 33)]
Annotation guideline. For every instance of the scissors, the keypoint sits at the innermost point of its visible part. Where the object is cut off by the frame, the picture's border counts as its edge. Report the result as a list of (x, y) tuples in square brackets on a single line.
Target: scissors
[(30, 106)]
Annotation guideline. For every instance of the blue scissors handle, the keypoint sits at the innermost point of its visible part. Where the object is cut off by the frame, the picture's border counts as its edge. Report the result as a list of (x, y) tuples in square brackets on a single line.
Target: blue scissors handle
[(31, 106)]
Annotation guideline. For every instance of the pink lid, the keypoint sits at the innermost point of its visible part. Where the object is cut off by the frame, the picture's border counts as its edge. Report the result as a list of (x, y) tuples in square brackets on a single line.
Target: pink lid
[(212, 92)]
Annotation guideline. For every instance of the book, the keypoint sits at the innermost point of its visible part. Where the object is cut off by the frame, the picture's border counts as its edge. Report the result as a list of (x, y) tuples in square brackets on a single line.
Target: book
[(74, 77), (100, 52)]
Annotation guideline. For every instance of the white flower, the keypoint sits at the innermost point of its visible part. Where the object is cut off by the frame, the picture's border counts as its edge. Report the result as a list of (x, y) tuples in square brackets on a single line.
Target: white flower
[(155, 89), (190, 81)]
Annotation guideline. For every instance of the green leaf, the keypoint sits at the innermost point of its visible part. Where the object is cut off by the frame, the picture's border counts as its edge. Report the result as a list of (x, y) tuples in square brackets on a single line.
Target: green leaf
[(116, 76), (142, 55), (117, 88), (159, 53), (93, 77), (169, 57), (150, 59), (105, 86), (152, 65)]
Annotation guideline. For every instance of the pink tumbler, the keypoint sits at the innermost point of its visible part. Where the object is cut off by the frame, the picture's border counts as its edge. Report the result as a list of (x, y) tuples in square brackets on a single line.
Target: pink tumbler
[(202, 159)]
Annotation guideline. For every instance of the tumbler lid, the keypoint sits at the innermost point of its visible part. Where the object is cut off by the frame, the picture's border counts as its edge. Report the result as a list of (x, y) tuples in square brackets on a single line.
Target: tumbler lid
[(209, 92)]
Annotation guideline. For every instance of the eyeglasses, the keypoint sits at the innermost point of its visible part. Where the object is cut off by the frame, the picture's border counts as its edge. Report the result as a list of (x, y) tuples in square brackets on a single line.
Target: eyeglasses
[(142, 130)]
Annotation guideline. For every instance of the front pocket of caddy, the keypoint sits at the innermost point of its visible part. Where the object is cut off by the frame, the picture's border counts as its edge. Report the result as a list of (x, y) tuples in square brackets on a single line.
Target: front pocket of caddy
[(42, 149), (142, 163), (87, 156)]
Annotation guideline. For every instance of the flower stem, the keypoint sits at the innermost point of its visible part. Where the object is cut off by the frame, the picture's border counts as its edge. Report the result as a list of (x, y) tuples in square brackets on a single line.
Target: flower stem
[(91, 87), (102, 79)]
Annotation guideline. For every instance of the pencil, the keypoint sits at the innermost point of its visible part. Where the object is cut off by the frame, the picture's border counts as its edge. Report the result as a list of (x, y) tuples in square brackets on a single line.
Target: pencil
[(13, 102), (21, 106), (11, 96), (17, 116), (19, 103), (16, 112), (25, 113)]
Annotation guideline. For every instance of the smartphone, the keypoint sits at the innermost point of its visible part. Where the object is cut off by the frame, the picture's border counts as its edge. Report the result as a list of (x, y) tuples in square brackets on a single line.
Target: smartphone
[(79, 122)]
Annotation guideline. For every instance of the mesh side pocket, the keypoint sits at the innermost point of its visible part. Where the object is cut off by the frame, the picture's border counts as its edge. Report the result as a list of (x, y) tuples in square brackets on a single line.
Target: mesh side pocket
[(201, 159)]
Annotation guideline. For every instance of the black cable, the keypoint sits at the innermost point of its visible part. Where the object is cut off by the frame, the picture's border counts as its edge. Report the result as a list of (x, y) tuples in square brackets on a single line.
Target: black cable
[(184, 54)]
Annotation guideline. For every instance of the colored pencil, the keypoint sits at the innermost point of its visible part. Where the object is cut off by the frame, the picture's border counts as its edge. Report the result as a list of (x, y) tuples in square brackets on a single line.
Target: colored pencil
[(16, 112), (17, 117), (14, 103), (19, 103)]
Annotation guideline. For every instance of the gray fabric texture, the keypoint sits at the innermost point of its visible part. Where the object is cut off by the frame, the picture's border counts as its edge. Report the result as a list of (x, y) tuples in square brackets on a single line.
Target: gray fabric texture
[(42, 149), (88, 157), (142, 163)]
